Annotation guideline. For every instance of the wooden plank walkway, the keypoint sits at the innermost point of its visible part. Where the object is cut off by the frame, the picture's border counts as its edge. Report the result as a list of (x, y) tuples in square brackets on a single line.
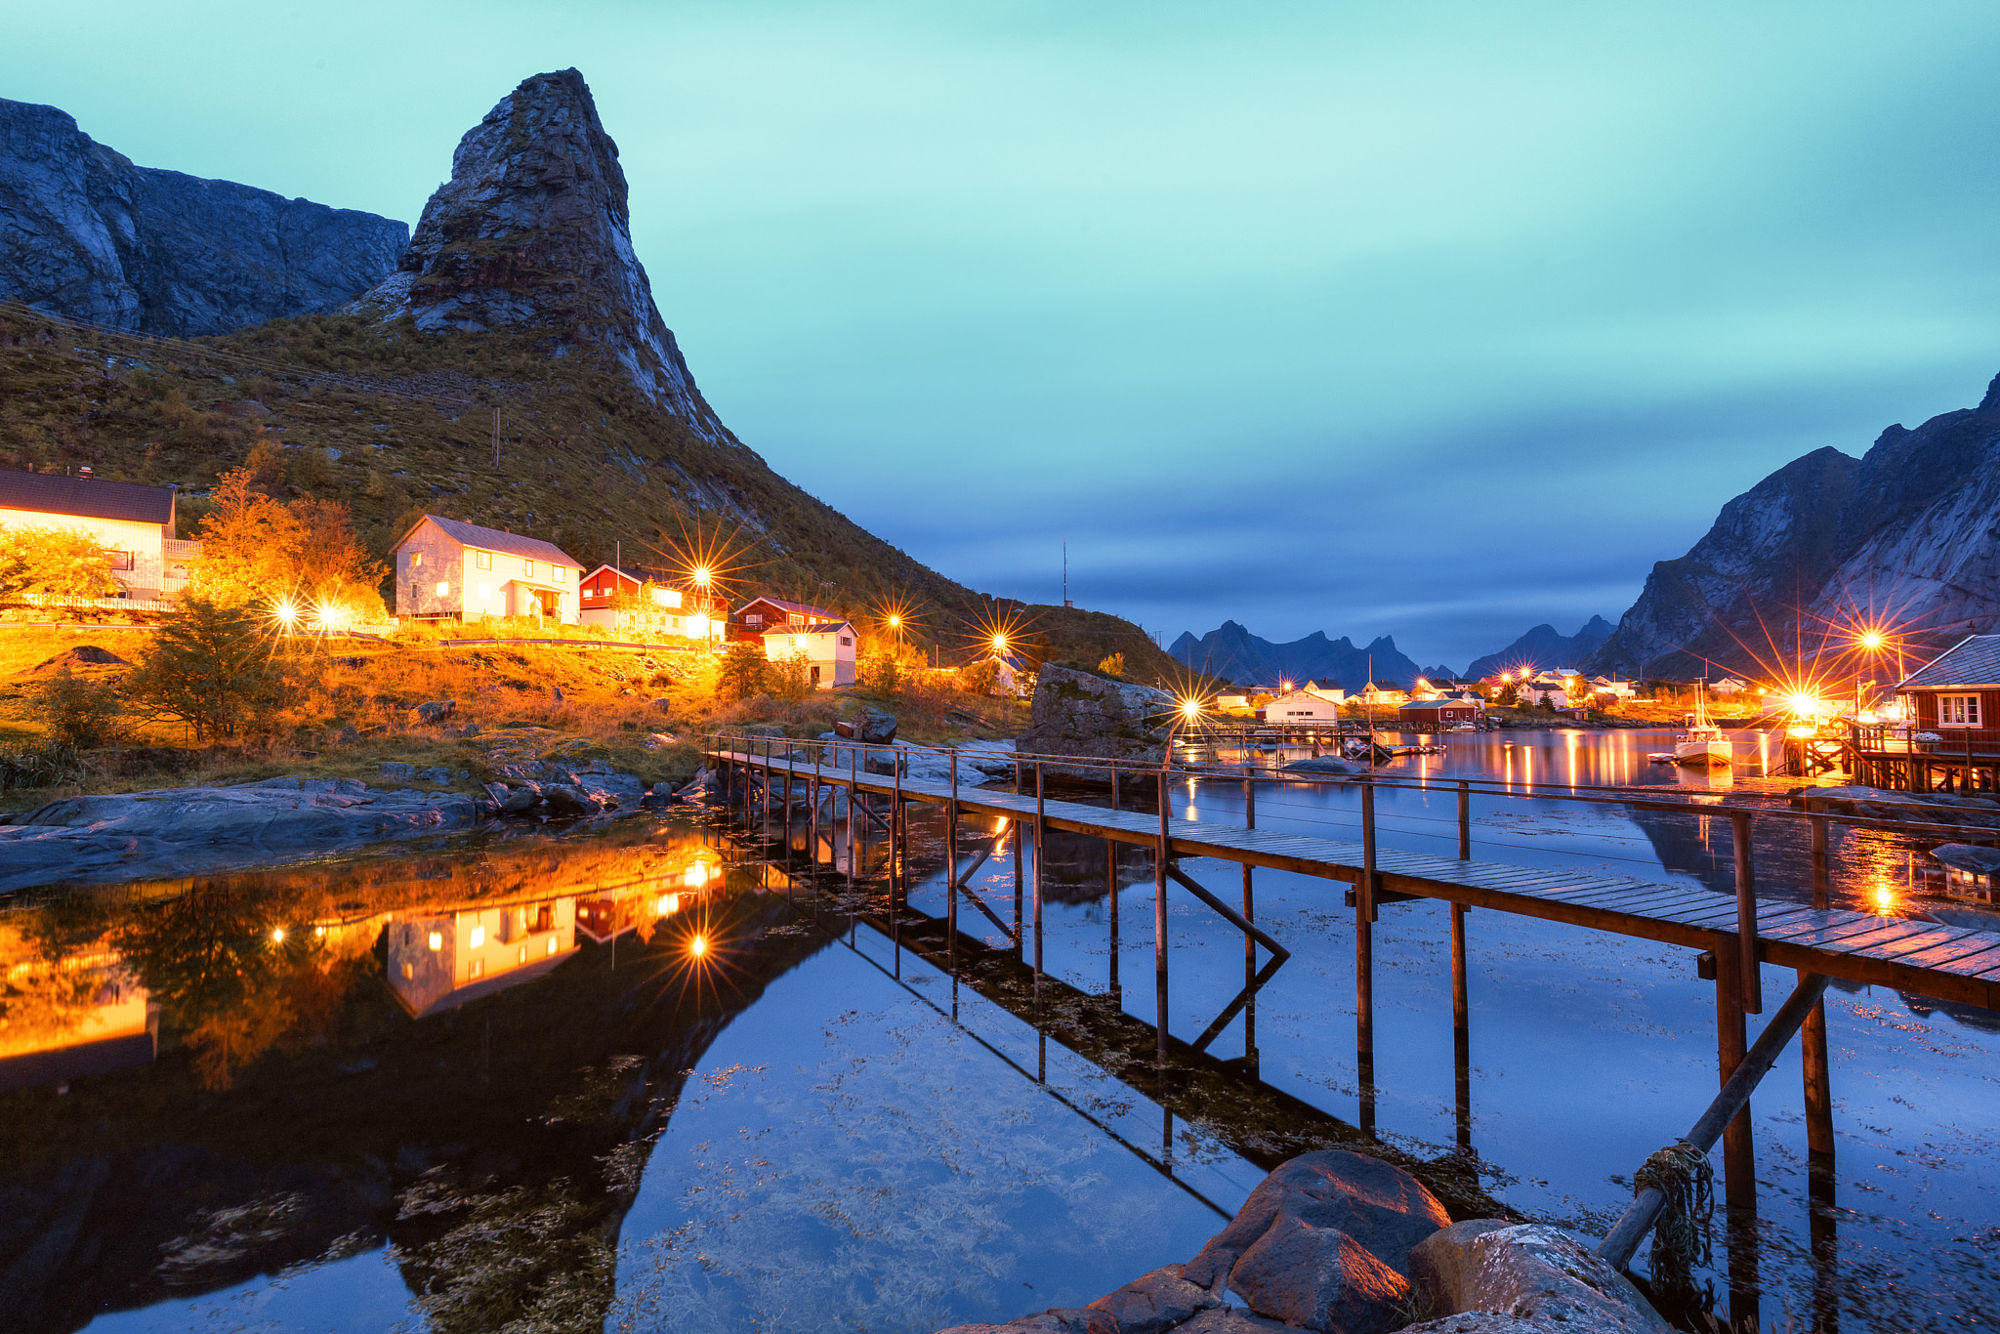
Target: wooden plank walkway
[(1945, 963)]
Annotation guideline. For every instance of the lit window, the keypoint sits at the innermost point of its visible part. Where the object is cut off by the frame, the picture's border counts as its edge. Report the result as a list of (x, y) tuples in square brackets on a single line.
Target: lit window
[(416, 559), (444, 587), (1958, 711), (437, 941), (408, 972), (528, 568), (521, 956), (552, 944), (845, 641), (478, 968), (482, 560), (590, 592), (121, 560), (478, 936), (561, 573)]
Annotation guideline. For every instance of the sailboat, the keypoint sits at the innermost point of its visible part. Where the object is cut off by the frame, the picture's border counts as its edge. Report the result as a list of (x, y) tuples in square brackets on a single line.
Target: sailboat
[(1702, 744)]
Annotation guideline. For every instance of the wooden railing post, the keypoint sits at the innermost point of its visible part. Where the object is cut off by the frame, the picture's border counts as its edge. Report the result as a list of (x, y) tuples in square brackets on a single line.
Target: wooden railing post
[(1160, 850), (1746, 913), (951, 863), (1041, 830), (1464, 820)]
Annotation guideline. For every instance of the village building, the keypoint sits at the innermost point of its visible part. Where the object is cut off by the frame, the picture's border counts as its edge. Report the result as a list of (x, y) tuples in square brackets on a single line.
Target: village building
[(449, 569), (1613, 687), (110, 1022), (1377, 696), (1306, 706), (133, 522), (1956, 695), (759, 615), (1728, 685), (1233, 701), (615, 599), (439, 961), (1431, 715), (827, 645)]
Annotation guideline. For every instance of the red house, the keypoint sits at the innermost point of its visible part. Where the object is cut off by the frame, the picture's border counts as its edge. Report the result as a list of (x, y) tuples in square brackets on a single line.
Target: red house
[(641, 600), (760, 615), (1956, 695), (1430, 715)]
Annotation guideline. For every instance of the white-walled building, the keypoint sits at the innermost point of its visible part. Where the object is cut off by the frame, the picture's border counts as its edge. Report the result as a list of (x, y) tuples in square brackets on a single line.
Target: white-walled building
[(1302, 706), (448, 568), (828, 647), (133, 522), (441, 960)]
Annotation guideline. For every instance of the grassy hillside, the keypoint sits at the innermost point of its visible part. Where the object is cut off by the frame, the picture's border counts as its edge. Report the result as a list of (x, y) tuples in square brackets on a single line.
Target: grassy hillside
[(397, 422)]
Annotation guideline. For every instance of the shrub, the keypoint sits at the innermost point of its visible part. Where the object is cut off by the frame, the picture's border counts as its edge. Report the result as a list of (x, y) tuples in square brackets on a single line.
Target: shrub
[(54, 562), (38, 764), (1112, 666), (979, 678), (791, 677), (744, 672), (78, 712), (211, 667)]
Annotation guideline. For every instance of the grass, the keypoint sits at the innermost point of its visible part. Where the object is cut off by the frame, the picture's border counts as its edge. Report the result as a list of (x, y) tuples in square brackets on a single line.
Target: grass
[(586, 461), (514, 704)]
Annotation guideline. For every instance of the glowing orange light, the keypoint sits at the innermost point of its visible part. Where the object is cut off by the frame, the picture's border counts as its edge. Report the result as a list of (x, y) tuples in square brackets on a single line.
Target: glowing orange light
[(697, 946), (1870, 640), (999, 641), (277, 935), (895, 621), (1190, 709), (286, 613), (702, 576)]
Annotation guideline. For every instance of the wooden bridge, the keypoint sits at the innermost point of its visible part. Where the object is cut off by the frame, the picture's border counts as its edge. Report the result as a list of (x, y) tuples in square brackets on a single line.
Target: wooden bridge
[(1733, 934)]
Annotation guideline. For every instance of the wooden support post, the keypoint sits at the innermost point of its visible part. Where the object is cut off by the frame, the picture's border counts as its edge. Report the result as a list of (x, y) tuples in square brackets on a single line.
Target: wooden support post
[(899, 842), (1464, 820), (1364, 943), (1817, 822), (788, 803), (812, 811), (1460, 1010), (1160, 852), (951, 870), (1014, 834), (1250, 915), (1111, 892), (853, 806), (1731, 1045), (1742, 1069), (1041, 832), (1746, 913), (1818, 1083)]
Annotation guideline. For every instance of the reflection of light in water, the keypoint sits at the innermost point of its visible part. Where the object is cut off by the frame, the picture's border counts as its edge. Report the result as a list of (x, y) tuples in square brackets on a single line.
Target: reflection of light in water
[(1882, 896), (696, 875), (1569, 755), (668, 905)]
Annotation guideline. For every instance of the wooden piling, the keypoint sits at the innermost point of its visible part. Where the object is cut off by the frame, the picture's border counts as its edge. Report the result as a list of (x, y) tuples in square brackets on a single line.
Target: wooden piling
[(1746, 913), (1364, 943), (1460, 1010), (1464, 820), (1731, 1044), (1041, 832), (1818, 1077), (1160, 920)]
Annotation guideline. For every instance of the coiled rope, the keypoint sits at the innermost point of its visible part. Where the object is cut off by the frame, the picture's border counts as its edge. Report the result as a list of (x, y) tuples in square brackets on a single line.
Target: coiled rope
[(1682, 1175)]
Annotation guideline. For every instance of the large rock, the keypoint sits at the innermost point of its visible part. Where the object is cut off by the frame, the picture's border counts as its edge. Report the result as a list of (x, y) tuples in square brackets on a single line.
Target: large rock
[(185, 831), (1323, 1242), (1156, 1302), (1077, 714), (533, 232), (86, 234), (1530, 1271)]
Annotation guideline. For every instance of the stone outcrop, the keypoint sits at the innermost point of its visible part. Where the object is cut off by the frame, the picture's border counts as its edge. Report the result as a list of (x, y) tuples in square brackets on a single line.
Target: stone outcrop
[(1341, 1243), (191, 830), (1077, 714), (533, 232), (1906, 529), (1875, 803), (1527, 1271), (86, 234)]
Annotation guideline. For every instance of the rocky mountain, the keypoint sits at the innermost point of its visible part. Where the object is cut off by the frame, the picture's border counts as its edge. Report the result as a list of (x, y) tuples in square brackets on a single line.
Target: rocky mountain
[(1544, 647), (86, 234), (1231, 652), (521, 305), (533, 231), (1909, 534)]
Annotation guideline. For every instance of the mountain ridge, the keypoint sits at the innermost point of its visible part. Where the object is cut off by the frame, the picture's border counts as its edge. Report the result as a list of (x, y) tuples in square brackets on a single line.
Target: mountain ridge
[(1232, 652), (87, 234), (1904, 538), (1543, 646)]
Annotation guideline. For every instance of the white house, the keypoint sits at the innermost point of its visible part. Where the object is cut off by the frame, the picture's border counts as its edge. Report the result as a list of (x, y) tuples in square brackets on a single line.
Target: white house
[(828, 646), (1728, 685), (1302, 706), (439, 961), (449, 568), (133, 522), (1613, 687), (1374, 694)]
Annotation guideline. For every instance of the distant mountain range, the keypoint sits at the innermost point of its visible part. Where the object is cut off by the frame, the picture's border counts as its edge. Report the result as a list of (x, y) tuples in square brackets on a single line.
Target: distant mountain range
[(1907, 535), (1231, 652), (1544, 647)]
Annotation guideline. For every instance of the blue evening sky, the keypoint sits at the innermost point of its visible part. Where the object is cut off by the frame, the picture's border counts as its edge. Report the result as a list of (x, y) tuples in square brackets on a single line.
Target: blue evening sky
[(1436, 320)]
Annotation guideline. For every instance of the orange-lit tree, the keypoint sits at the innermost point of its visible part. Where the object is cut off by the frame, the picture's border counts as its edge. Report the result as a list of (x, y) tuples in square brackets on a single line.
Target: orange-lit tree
[(256, 548)]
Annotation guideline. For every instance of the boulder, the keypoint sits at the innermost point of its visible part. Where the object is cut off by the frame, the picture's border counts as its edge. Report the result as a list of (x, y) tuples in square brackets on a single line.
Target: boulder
[(566, 799), (521, 798), (433, 712), (1056, 1320), (1155, 1302), (395, 771), (1323, 1243), (1325, 764), (657, 740), (1078, 714), (1489, 1322), (662, 705), (1528, 1270), (1230, 1320), (83, 655)]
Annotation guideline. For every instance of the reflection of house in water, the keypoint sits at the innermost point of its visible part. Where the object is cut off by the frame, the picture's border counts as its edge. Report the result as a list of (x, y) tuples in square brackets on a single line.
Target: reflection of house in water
[(443, 960), (99, 1020)]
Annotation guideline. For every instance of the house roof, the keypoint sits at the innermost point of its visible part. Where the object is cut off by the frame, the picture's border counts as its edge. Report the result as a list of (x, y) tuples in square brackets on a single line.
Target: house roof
[(1973, 661), (795, 608), (816, 628), (86, 497), (492, 539), (1442, 702)]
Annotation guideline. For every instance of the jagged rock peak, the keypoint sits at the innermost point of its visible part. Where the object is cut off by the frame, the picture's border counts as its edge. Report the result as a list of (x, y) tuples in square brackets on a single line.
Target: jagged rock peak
[(533, 231), (86, 234)]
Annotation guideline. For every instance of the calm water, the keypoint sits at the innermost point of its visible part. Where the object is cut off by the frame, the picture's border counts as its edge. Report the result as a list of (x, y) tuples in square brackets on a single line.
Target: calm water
[(666, 1077)]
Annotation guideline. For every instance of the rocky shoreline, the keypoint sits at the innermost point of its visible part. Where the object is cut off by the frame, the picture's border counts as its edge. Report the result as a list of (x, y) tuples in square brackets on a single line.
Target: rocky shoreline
[(1341, 1243)]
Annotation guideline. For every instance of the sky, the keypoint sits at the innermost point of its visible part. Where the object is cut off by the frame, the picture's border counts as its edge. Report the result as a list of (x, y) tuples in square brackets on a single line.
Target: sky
[(1435, 321)]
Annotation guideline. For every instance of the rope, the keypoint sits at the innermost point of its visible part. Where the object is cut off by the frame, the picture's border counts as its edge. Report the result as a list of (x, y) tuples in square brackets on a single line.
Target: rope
[(1682, 1175)]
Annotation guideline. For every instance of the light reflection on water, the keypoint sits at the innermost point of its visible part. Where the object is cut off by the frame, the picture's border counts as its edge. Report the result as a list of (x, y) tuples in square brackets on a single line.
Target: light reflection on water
[(818, 1128)]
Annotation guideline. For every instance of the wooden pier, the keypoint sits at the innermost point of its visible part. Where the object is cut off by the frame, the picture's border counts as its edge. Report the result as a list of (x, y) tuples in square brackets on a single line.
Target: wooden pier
[(1732, 934)]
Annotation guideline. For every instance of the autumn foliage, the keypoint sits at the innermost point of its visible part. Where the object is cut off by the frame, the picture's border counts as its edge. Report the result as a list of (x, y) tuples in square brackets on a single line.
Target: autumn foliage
[(256, 549)]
